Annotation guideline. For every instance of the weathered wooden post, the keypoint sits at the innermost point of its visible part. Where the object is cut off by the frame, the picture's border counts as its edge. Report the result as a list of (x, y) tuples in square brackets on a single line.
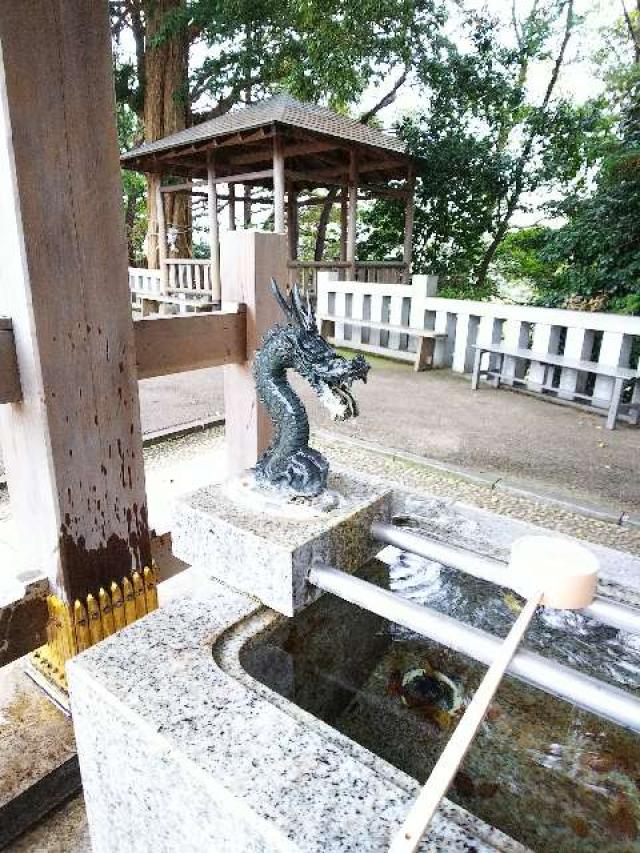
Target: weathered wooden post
[(353, 214), (214, 228), (249, 259), (162, 238), (278, 184), (72, 446)]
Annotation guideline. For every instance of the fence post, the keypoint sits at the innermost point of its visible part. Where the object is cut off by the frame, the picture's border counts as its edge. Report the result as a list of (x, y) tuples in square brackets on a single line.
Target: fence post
[(466, 333), (615, 351), (578, 346), (248, 261), (545, 341)]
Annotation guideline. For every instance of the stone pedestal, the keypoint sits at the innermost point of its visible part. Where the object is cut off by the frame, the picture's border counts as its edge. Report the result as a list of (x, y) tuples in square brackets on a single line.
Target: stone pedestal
[(268, 553)]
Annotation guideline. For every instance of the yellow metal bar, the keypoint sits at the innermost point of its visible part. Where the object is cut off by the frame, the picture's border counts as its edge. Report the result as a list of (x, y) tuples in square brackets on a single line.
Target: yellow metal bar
[(150, 589), (83, 638), (138, 590), (117, 603), (106, 613), (95, 623), (129, 601)]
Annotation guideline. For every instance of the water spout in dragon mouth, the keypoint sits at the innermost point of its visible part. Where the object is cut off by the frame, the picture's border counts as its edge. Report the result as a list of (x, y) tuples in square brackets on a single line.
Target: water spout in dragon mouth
[(289, 461)]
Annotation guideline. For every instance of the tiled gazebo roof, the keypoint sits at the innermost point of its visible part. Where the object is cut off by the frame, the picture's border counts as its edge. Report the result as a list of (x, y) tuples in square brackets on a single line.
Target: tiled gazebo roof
[(251, 129)]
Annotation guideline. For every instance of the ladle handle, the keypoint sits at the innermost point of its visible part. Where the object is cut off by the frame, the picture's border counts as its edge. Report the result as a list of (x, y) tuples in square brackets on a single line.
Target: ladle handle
[(415, 824)]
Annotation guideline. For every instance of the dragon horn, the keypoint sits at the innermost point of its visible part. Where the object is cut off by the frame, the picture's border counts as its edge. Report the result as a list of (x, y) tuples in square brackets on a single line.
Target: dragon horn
[(303, 318), (282, 302)]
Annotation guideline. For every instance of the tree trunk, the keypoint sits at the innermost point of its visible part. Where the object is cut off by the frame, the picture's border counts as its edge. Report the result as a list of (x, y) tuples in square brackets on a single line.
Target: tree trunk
[(325, 215), (165, 112)]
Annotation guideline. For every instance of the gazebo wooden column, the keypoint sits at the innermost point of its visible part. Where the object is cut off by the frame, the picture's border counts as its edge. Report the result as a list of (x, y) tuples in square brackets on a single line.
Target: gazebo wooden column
[(292, 221), (162, 238), (278, 184), (352, 213), (214, 229), (73, 446)]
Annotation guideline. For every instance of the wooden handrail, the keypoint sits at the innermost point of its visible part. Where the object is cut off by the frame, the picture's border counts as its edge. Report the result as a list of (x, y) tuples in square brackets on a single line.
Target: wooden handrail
[(189, 342)]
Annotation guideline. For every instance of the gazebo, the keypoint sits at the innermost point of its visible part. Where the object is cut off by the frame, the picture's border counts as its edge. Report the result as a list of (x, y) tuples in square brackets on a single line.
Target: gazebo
[(289, 148)]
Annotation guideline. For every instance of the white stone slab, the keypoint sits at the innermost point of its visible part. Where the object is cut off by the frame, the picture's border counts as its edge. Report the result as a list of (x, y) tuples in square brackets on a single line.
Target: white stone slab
[(178, 754)]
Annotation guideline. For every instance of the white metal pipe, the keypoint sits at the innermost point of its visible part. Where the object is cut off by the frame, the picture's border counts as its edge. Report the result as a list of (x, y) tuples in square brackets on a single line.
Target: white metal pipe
[(602, 699), (602, 609)]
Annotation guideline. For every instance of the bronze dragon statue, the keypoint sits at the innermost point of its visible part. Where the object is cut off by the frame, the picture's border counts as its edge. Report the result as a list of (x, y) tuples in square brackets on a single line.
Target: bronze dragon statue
[(289, 461)]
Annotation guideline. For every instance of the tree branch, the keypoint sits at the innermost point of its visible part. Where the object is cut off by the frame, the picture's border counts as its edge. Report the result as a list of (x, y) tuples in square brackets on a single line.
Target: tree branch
[(387, 99), (635, 37)]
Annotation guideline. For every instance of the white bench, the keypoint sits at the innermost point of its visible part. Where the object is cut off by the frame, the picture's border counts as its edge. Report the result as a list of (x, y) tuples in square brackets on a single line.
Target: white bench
[(623, 377), (423, 357)]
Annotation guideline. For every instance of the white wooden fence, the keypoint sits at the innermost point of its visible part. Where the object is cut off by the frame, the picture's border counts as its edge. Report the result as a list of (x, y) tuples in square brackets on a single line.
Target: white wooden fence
[(605, 338), (185, 276)]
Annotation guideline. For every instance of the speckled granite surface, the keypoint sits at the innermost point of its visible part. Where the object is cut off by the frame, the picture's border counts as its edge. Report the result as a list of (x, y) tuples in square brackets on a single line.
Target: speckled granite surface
[(268, 556), (177, 753)]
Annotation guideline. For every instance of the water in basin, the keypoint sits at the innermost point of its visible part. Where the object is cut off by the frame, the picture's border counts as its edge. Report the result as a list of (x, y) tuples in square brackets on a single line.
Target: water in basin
[(551, 775)]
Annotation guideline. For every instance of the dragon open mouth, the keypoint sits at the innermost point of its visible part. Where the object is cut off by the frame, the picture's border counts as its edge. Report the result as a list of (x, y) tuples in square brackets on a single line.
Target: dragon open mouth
[(339, 401)]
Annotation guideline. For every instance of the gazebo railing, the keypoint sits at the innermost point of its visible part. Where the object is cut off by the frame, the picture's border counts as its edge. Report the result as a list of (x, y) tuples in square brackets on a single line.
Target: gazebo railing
[(306, 272), (189, 275)]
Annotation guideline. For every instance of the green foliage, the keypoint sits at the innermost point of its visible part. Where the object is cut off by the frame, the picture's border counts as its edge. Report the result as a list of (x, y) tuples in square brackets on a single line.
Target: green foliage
[(521, 258), (133, 188), (484, 146), (599, 246), (320, 51)]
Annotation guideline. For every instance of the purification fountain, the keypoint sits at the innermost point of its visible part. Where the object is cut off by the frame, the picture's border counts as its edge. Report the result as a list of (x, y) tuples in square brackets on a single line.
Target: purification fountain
[(307, 724)]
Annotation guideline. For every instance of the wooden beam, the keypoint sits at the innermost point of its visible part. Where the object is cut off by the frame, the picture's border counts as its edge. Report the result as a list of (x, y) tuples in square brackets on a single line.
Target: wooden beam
[(174, 344), (244, 177), (248, 260), (214, 233), (10, 388), (188, 187), (298, 150), (278, 185), (352, 213), (73, 446)]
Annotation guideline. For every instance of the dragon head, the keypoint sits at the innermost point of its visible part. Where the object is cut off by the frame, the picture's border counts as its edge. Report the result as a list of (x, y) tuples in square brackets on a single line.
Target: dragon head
[(329, 374)]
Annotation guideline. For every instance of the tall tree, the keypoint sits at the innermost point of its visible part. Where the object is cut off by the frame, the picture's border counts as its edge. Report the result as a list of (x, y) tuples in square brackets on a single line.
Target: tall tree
[(597, 250), (485, 142)]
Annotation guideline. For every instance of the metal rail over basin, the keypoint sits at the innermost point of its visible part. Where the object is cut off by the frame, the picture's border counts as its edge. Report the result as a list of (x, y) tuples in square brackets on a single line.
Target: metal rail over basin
[(602, 609), (588, 693)]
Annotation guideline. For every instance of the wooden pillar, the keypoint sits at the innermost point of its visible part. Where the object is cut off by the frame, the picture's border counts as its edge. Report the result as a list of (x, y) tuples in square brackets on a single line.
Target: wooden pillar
[(292, 221), (73, 446), (408, 224), (214, 231), (353, 213), (278, 185), (249, 259), (246, 207), (162, 238), (232, 207), (344, 219)]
